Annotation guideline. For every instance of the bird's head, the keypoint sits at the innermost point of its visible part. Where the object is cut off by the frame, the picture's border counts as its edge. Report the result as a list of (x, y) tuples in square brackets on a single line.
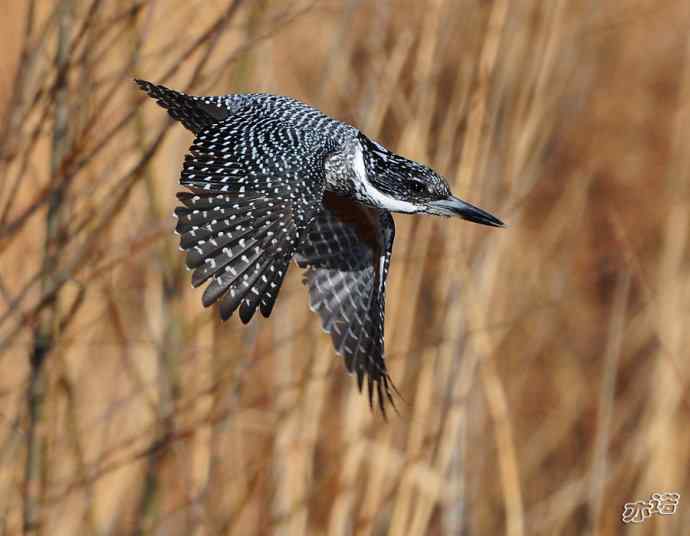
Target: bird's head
[(402, 185)]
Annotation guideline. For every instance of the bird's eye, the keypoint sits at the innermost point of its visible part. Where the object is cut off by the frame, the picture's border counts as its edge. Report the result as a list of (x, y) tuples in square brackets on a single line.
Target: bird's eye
[(418, 186)]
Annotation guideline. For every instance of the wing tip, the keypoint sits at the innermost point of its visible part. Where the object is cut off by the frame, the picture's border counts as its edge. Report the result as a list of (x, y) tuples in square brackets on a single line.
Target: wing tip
[(144, 85)]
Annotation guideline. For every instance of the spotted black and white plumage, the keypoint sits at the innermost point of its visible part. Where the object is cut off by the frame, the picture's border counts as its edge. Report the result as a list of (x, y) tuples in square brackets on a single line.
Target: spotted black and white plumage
[(270, 179), (347, 253)]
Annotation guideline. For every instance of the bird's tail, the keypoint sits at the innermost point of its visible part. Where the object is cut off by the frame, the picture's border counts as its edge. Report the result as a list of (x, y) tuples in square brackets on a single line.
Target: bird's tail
[(194, 113)]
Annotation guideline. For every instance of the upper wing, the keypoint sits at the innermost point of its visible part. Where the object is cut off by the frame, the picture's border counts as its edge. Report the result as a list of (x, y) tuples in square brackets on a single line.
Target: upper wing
[(347, 252), (195, 113), (256, 184)]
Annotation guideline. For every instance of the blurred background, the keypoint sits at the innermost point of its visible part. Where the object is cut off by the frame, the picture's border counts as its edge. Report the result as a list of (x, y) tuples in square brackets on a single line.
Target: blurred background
[(544, 367)]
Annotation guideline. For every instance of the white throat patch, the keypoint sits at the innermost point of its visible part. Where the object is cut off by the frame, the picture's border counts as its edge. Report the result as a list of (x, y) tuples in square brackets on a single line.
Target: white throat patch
[(375, 196)]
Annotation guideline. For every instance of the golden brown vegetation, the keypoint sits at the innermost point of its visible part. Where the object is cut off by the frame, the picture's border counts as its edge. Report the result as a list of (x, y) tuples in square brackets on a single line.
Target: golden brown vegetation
[(544, 367)]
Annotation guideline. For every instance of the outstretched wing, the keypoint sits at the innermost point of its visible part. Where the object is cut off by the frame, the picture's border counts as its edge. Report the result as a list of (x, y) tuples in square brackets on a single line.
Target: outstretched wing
[(256, 184), (195, 113), (347, 251)]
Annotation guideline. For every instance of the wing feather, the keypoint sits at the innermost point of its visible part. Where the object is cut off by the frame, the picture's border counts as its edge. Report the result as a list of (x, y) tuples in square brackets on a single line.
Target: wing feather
[(256, 197), (346, 253), (246, 210)]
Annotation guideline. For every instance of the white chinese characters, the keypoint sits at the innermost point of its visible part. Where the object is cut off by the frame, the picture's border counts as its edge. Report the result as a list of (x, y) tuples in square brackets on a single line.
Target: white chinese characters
[(663, 504)]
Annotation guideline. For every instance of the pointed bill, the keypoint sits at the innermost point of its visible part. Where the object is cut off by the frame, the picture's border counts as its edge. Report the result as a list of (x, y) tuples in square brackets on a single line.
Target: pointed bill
[(454, 206)]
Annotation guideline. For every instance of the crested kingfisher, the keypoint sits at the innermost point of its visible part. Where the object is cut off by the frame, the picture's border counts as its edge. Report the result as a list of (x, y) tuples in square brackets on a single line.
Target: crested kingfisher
[(269, 179)]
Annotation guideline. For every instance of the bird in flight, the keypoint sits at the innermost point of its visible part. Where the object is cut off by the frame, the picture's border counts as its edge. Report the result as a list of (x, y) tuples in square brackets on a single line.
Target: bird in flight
[(270, 179)]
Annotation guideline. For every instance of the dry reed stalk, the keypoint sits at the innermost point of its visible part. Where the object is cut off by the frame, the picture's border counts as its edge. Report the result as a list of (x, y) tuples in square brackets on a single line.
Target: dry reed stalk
[(415, 141), (409, 488), (342, 515), (47, 328), (287, 511), (671, 375), (401, 332), (471, 168), (492, 384), (607, 397)]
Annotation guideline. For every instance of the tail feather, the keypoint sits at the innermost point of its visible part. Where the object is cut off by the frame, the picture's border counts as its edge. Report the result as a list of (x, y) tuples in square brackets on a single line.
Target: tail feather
[(194, 113)]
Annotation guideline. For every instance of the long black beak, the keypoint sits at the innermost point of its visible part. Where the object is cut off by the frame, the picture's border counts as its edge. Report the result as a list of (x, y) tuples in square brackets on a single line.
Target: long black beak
[(454, 206)]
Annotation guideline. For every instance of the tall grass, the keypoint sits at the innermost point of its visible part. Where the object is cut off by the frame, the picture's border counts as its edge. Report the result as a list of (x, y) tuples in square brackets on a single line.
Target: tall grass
[(544, 367)]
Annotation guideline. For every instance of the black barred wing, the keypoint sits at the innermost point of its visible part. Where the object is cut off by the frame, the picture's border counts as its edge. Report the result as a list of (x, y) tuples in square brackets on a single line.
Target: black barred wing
[(347, 253), (256, 185)]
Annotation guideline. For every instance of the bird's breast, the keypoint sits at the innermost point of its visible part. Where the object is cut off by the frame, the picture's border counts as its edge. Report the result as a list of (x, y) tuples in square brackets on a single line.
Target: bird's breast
[(340, 176)]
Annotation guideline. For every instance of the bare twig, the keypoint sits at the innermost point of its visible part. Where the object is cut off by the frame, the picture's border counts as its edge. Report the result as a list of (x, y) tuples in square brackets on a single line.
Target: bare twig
[(47, 329)]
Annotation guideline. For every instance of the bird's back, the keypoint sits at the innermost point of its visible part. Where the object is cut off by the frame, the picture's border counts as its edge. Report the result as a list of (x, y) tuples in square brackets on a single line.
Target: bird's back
[(268, 134), (198, 113), (290, 111)]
